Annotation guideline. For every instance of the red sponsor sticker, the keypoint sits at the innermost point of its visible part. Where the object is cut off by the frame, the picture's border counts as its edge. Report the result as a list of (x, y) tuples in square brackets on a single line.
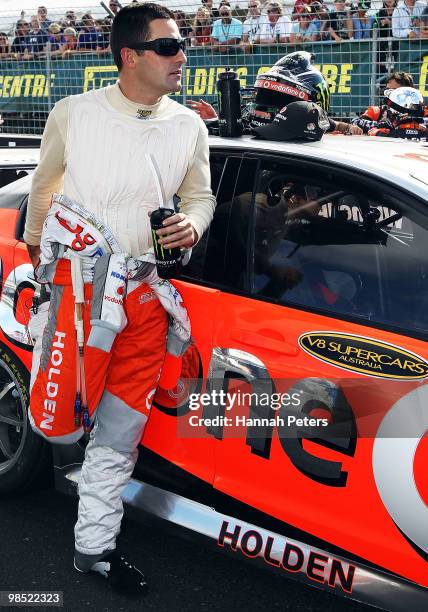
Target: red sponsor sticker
[(282, 88)]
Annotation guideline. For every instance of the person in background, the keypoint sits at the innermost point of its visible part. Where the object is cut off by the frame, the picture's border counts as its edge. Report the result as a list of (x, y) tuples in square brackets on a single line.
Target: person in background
[(297, 8), (114, 6), (321, 14), (383, 23), (200, 35), (183, 24), (70, 20), (103, 27), (214, 13), (405, 18), (276, 28), (399, 79), (375, 116), (423, 24), (405, 110), (383, 18), (304, 28), (37, 37), (227, 31), (87, 41), (55, 38), (362, 23), (4, 46), (252, 25), (69, 45), (21, 44), (42, 14), (340, 22)]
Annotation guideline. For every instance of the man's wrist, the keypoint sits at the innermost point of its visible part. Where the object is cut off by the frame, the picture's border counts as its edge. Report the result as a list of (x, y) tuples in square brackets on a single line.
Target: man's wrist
[(195, 235), (34, 253)]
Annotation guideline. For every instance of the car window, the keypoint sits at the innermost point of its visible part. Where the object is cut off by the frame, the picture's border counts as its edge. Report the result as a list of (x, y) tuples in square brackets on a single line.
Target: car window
[(13, 194), (9, 175), (335, 247), (220, 257)]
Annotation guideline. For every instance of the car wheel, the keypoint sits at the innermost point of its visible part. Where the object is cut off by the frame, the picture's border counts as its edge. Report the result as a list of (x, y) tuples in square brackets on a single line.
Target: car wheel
[(25, 458)]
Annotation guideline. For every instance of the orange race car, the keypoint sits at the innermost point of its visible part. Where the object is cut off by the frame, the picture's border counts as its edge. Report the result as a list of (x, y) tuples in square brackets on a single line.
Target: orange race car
[(299, 422)]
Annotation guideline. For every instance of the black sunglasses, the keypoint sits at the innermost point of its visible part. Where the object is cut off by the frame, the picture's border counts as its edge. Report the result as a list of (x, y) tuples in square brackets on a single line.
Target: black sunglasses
[(162, 46)]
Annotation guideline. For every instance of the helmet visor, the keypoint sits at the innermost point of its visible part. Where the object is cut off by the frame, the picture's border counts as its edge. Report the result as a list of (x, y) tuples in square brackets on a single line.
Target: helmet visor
[(278, 93)]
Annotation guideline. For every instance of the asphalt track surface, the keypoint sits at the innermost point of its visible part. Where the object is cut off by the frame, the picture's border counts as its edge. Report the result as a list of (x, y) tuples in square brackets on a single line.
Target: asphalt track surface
[(37, 551)]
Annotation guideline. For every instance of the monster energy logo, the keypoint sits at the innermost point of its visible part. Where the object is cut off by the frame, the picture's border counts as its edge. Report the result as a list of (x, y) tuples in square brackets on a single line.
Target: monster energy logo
[(323, 97), (159, 250)]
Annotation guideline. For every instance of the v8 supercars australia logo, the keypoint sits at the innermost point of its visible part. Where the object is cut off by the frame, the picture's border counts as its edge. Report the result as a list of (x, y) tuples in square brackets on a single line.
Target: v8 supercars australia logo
[(364, 355)]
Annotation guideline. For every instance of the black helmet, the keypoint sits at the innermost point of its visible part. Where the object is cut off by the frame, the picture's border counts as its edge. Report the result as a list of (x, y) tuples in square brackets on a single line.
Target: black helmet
[(292, 78)]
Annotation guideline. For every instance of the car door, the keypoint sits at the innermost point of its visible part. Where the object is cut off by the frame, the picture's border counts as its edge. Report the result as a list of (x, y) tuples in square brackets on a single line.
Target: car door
[(323, 308), (17, 288), (195, 453)]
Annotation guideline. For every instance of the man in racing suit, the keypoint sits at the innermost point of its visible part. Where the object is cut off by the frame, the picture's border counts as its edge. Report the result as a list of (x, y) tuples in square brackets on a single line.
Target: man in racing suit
[(404, 115), (97, 144), (375, 117)]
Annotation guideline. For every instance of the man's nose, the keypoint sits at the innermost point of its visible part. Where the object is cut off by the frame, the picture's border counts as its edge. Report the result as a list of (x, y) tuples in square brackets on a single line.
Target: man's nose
[(181, 57)]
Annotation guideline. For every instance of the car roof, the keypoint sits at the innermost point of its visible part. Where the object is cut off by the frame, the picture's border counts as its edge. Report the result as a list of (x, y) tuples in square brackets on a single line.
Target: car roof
[(11, 156), (399, 161), (28, 141), (402, 162)]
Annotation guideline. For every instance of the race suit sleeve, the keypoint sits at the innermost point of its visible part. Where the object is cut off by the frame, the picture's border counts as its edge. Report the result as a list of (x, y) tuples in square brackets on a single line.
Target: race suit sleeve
[(49, 174), (364, 123), (369, 119), (197, 200), (333, 125)]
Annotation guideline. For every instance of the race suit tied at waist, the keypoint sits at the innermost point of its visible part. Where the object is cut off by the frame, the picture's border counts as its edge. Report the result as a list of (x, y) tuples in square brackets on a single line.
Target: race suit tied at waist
[(76, 244)]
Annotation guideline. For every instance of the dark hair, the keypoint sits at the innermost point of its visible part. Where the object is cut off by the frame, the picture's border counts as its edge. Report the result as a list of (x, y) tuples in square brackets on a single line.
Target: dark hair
[(6, 45), (132, 24), (403, 78)]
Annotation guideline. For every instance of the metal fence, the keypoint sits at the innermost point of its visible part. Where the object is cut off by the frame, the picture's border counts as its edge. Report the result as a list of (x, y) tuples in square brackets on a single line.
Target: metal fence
[(58, 63)]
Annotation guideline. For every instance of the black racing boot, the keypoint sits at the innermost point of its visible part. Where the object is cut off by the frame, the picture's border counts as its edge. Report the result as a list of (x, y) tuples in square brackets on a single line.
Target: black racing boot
[(122, 575)]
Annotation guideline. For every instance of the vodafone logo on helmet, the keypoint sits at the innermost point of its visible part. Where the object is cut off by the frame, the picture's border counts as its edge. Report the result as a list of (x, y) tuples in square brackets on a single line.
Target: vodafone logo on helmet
[(282, 88)]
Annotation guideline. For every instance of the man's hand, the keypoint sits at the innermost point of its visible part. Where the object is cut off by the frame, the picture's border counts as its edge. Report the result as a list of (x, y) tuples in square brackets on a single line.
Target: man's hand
[(348, 128), (355, 130), (203, 109), (34, 253), (178, 231)]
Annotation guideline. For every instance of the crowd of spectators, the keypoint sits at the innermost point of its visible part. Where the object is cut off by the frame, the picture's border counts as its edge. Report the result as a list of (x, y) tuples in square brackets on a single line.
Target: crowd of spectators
[(35, 38), (225, 28), (269, 23)]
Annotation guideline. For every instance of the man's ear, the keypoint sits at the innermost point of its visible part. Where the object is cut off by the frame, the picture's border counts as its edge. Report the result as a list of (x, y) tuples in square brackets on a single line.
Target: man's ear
[(128, 57)]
